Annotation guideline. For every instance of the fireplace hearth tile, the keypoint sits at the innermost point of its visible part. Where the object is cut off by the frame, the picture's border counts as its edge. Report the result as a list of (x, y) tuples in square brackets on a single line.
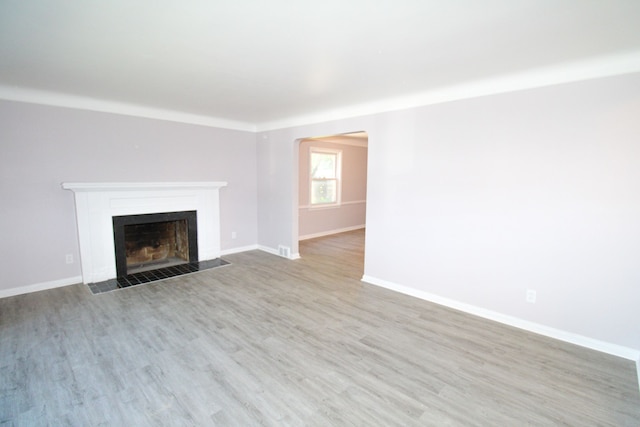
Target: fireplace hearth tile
[(154, 275)]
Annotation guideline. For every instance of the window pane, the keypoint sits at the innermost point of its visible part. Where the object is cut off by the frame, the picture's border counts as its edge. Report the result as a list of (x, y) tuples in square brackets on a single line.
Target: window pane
[(323, 191), (323, 165)]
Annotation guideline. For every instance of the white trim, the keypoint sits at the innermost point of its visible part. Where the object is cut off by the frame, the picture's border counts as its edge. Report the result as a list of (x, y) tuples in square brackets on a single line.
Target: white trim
[(638, 372), (330, 232), (338, 176), (592, 68), (98, 202), (239, 249), (605, 347), (136, 186), (277, 253), (318, 207), (57, 99), (269, 250), (4, 293)]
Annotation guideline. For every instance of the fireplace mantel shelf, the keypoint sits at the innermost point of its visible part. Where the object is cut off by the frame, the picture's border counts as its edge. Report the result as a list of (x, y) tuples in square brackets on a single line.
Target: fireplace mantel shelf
[(137, 186), (98, 202)]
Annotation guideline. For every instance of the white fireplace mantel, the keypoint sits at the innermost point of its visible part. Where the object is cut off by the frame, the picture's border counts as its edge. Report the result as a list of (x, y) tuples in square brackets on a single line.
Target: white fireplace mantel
[(98, 202)]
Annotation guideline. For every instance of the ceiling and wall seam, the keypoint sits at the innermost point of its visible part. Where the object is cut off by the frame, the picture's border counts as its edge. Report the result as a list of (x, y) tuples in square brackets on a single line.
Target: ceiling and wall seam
[(601, 67)]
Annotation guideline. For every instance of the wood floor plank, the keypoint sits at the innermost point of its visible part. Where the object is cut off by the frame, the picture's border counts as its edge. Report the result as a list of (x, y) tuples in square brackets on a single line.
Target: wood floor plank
[(267, 341)]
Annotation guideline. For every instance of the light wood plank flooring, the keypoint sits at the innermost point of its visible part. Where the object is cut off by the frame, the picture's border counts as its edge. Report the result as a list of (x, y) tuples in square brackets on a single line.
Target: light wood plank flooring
[(267, 341)]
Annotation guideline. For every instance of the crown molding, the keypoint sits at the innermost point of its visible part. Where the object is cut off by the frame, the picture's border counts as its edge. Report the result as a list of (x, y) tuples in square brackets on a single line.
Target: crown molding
[(593, 68), (34, 96), (597, 67)]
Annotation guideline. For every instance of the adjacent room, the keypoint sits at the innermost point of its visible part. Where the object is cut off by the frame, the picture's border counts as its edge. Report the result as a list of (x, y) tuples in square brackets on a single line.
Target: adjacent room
[(332, 184), (320, 213)]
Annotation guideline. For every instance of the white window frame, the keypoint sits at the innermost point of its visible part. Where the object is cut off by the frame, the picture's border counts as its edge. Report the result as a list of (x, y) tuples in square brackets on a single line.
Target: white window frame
[(338, 178)]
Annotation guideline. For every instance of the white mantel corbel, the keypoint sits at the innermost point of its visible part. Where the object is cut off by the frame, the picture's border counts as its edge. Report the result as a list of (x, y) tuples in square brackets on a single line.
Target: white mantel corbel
[(98, 202)]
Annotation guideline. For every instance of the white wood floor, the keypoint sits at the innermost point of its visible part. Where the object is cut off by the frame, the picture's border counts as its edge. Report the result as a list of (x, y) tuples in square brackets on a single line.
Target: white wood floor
[(268, 341)]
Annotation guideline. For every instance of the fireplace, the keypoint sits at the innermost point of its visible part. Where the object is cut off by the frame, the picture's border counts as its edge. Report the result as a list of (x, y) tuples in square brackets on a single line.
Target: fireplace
[(151, 241), (98, 203)]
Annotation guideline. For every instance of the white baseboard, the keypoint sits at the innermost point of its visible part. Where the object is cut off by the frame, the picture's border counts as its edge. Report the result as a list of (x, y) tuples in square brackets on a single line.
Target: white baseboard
[(269, 250), (320, 207), (239, 249), (273, 251), (4, 293), (593, 344), (638, 372), (257, 247), (330, 232)]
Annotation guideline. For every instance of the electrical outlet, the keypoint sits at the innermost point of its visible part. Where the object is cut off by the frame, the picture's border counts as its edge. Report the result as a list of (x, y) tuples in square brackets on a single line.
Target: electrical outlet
[(234, 234), (531, 296), (69, 259)]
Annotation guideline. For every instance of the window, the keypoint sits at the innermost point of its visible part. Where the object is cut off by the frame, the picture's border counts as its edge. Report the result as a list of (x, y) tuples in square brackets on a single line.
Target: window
[(325, 176)]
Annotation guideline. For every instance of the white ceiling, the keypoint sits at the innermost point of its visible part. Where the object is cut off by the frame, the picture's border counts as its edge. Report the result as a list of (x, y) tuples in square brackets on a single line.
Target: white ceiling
[(257, 64)]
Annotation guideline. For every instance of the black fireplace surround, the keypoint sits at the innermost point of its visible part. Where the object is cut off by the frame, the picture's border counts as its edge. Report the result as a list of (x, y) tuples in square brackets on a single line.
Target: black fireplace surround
[(120, 222)]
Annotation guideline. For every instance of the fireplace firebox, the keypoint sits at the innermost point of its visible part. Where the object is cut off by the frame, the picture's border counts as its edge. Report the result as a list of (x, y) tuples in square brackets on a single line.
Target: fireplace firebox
[(151, 241)]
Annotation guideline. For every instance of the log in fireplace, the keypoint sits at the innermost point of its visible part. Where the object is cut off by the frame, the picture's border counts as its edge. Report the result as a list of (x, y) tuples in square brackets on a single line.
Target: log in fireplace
[(151, 241)]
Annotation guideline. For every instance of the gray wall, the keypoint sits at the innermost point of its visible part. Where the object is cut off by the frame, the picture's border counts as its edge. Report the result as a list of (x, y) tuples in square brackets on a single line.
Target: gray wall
[(476, 201), (43, 146)]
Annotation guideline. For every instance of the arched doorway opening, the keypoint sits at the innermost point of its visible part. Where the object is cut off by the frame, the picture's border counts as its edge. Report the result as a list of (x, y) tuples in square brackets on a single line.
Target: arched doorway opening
[(332, 188)]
